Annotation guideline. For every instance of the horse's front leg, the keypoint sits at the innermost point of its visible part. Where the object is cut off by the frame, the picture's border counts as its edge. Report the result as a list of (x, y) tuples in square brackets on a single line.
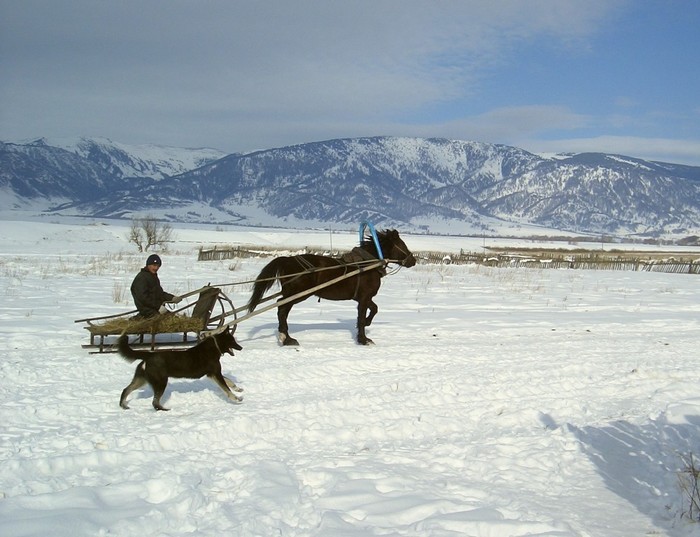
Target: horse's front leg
[(373, 309), (283, 327), (362, 338)]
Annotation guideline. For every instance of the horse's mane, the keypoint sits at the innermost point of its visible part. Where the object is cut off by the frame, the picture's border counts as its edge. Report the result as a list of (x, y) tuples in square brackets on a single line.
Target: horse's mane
[(367, 240), (382, 236)]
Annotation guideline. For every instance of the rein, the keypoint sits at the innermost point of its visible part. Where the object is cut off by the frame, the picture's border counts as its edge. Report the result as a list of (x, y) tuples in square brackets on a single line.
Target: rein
[(404, 252), (358, 264), (309, 268)]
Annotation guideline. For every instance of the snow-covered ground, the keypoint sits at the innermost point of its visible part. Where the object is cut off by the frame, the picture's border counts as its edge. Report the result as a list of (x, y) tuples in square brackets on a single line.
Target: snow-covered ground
[(496, 402)]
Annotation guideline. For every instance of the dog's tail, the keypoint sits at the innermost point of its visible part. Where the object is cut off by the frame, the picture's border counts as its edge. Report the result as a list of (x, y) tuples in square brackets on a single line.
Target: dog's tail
[(129, 354)]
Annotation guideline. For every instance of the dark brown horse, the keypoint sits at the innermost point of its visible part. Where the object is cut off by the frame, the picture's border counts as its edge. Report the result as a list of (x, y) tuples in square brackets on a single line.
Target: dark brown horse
[(299, 273)]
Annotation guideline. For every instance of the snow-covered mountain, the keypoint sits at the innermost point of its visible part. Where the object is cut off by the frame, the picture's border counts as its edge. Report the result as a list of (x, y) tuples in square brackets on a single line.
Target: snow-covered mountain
[(44, 174), (432, 185), (146, 160)]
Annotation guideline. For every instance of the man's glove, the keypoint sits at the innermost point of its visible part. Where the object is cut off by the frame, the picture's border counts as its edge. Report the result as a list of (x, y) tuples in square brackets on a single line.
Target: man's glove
[(163, 309)]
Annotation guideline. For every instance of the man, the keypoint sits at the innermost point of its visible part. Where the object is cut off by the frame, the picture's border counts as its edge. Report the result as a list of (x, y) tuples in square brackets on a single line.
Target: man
[(149, 296)]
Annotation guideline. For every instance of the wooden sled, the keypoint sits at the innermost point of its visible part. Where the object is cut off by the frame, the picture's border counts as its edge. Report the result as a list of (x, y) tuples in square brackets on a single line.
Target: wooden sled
[(182, 327)]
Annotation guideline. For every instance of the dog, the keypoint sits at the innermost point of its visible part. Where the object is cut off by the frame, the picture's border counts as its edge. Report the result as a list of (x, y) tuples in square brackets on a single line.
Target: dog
[(157, 366)]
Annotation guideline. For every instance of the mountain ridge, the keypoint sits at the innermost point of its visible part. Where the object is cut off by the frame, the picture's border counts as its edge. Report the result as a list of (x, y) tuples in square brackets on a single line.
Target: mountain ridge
[(429, 185)]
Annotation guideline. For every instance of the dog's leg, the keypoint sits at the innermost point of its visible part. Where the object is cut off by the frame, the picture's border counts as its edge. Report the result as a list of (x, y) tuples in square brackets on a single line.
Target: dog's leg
[(221, 382), (158, 385), (232, 384), (138, 381)]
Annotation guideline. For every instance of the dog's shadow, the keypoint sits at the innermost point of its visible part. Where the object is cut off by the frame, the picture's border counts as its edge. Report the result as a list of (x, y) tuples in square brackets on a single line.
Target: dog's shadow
[(185, 386)]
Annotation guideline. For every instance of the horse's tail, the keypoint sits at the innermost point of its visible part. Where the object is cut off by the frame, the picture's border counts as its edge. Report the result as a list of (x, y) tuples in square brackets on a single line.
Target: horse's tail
[(266, 279)]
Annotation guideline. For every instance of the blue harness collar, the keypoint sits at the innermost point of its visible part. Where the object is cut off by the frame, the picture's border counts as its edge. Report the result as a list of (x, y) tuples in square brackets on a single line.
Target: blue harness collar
[(373, 233)]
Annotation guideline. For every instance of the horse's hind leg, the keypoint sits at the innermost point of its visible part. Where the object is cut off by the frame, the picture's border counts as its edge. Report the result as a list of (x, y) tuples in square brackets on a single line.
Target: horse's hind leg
[(283, 327)]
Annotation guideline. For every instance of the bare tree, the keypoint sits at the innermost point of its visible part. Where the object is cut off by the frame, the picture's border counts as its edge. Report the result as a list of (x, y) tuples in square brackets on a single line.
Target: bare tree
[(136, 234), (147, 232)]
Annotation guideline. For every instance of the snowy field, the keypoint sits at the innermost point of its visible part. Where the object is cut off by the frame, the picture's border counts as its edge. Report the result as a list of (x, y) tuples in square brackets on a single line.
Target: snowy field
[(496, 402)]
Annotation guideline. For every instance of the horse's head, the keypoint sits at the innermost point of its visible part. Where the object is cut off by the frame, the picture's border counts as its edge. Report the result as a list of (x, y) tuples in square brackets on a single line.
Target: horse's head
[(395, 249)]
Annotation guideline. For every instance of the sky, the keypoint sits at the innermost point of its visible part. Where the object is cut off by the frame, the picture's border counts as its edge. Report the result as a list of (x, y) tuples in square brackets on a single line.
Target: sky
[(616, 76)]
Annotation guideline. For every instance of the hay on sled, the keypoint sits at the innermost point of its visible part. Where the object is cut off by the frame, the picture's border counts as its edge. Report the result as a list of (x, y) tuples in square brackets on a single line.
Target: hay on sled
[(155, 325), (104, 329)]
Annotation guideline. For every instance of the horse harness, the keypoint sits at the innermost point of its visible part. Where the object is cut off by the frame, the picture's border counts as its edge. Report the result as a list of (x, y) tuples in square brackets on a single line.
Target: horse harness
[(353, 259)]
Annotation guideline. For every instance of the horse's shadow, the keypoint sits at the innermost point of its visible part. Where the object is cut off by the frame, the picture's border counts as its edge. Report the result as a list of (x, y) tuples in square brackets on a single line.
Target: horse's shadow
[(267, 330), (641, 463)]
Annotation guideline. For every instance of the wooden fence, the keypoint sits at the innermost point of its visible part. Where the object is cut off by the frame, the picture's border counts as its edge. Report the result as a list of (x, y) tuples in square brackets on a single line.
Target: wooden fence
[(234, 252), (580, 261), (585, 261)]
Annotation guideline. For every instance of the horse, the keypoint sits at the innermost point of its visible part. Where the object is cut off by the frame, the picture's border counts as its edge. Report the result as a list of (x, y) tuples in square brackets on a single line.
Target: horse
[(299, 273)]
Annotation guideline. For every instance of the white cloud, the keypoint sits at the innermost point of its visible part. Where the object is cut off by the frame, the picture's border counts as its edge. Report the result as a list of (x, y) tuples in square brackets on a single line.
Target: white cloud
[(660, 149), (186, 68), (250, 75)]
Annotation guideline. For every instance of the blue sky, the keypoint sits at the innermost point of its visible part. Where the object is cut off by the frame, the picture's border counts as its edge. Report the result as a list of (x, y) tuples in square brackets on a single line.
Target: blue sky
[(618, 76)]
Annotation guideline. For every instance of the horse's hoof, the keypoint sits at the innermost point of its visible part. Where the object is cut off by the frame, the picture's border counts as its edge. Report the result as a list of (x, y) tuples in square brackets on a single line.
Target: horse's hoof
[(366, 341), (287, 341)]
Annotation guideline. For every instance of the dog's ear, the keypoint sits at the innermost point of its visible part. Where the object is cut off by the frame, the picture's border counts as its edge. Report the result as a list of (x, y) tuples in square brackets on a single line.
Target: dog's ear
[(234, 343)]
